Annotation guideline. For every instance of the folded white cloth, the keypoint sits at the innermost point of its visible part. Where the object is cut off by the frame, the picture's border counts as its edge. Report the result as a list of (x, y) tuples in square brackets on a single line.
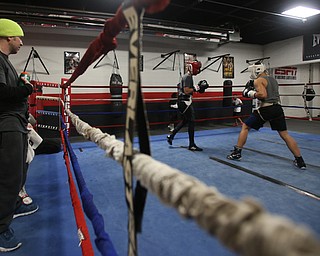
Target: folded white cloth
[(30, 154), (34, 140)]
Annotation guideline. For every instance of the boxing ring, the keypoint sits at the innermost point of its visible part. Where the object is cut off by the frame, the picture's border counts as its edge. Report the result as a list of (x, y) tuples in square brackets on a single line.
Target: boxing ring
[(172, 175), (243, 225)]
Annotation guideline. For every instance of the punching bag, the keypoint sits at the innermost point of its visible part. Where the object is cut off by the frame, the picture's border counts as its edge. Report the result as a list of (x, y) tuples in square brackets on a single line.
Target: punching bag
[(227, 93), (310, 94), (116, 87)]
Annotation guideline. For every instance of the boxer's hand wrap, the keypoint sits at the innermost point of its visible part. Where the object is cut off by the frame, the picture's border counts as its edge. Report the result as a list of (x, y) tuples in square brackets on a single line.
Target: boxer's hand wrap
[(196, 87)]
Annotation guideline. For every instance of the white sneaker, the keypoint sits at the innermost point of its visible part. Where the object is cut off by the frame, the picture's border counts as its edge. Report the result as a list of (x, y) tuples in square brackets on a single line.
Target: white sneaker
[(171, 127), (26, 199)]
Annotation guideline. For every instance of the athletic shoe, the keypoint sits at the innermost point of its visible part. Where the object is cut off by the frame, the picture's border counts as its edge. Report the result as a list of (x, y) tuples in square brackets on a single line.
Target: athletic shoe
[(25, 209), (169, 139), (298, 162), (171, 127), (26, 199), (235, 154), (8, 242), (195, 148)]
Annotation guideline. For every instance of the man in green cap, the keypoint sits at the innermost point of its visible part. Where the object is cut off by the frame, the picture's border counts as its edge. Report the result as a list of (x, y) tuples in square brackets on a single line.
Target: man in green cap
[(13, 135)]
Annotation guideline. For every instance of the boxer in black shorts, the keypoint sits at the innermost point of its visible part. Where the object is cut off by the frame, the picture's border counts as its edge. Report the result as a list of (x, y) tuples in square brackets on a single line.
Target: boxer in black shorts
[(273, 114), (266, 89)]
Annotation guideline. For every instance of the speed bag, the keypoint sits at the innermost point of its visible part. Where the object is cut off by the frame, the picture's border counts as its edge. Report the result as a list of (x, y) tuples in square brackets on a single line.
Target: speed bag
[(116, 91)]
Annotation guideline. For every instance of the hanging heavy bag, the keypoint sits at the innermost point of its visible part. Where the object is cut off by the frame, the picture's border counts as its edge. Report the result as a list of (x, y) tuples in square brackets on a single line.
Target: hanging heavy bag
[(116, 87)]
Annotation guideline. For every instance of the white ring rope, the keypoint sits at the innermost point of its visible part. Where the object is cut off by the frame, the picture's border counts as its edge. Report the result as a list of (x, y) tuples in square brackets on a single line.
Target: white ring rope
[(243, 226), (49, 127), (49, 98), (302, 95)]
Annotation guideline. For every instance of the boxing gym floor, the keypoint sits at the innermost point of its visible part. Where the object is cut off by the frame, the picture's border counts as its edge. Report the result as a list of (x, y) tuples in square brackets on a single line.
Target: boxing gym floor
[(265, 173)]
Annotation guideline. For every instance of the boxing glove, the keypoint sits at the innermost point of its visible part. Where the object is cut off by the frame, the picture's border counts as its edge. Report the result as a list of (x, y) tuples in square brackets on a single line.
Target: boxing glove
[(250, 85), (249, 93), (203, 85)]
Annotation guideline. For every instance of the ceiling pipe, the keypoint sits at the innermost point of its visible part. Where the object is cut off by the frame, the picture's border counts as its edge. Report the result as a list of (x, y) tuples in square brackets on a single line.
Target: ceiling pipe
[(65, 18)]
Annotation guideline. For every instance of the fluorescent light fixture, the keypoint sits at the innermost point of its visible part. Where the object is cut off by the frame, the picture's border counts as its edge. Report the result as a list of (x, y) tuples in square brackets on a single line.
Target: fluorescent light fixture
[(301, 12)]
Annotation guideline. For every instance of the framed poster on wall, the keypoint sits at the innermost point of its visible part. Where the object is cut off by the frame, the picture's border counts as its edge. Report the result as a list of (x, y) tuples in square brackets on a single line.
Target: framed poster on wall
[(311, 47), (228, 67), (71, 61)]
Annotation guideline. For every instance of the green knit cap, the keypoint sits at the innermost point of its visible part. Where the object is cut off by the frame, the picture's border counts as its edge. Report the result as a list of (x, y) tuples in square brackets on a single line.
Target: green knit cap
[(10, 28)]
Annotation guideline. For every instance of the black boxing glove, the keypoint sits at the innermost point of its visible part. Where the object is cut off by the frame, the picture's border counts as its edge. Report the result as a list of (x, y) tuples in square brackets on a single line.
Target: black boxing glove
[(249, 91), (203, 85), (250, 85)]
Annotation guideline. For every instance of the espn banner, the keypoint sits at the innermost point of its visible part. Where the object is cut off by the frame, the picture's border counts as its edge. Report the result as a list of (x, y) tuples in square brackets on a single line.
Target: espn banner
[(286, 73), (311, 47)]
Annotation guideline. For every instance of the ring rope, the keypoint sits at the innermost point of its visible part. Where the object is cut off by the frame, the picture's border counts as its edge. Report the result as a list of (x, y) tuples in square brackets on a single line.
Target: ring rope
[(102, 240), (49, 98), (243, 226), (48, 113), (167, 99), (175, 87), (83, 232), (303, 94), (48, 127), (288, 106)]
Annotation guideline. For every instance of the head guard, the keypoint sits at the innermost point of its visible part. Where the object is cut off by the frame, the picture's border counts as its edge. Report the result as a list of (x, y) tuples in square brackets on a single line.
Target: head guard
[(256, 69), (10, 28), (194, 67)]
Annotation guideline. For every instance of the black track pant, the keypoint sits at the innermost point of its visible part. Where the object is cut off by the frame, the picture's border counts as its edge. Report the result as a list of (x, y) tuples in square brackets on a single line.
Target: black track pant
[(13, 168), (188, 117)]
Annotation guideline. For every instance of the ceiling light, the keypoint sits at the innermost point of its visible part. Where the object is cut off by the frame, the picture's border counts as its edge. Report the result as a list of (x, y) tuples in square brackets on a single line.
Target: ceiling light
[(301, 12)]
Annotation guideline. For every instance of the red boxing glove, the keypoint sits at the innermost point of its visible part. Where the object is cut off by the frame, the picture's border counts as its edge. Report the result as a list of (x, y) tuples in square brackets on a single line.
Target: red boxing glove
[(152, 6)]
